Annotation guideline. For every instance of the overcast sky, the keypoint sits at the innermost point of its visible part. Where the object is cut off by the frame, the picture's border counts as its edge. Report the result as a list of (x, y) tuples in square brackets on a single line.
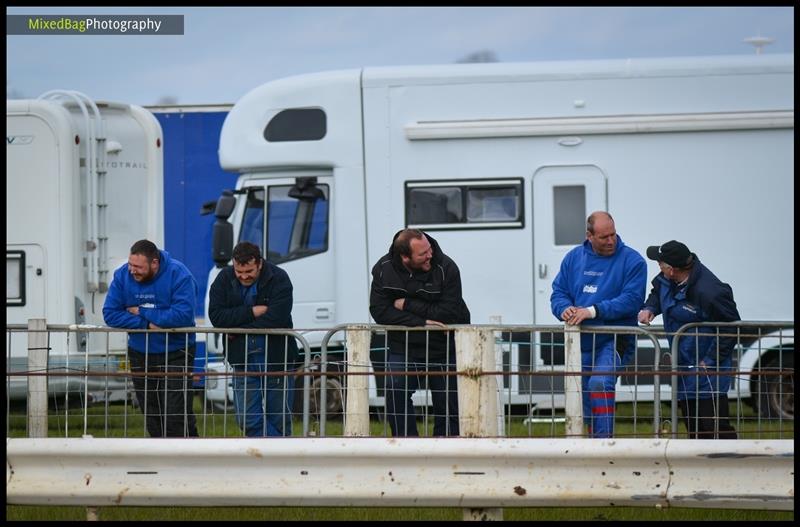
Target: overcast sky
[(226, 52)]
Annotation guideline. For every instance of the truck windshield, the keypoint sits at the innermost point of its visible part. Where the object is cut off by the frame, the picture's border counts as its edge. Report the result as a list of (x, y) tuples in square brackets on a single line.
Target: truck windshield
[(294, 228)]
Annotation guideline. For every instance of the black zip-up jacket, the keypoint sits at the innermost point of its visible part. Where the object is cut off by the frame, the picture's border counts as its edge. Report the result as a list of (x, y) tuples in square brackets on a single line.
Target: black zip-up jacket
[(227, 309), (431, 295)]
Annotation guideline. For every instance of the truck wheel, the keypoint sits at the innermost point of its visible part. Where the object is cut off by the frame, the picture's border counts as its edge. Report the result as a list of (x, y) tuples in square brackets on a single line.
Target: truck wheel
[(775, 393), (334, 398)]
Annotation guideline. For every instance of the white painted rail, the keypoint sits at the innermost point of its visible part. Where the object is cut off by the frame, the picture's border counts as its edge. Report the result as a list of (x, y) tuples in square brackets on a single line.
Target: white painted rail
[(457, 472)]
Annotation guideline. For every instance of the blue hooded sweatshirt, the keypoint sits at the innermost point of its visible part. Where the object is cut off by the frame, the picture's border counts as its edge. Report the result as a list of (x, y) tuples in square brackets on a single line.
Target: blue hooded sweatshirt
[(614, 284), (167, 300)]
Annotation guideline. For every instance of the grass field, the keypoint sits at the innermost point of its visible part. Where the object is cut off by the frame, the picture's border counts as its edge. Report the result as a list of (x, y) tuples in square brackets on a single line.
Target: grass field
[(123, 420)]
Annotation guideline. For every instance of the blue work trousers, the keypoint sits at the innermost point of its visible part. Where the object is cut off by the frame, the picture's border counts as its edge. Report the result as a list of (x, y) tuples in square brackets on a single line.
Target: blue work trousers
[(262, 403), (598, 388)]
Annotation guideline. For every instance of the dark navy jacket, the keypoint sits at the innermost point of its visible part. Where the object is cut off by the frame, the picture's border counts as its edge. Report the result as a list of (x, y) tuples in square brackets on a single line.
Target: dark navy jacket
[(431, 295), (703, 298), (167, 301), (228, 309)]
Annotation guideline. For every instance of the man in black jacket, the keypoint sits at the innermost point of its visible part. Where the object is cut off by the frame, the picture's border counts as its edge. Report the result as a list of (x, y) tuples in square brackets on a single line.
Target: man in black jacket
[(257, 294), (415, 284)]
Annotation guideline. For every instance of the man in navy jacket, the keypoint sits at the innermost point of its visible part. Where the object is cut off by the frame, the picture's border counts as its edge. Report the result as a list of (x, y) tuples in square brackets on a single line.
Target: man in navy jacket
[(600, 283), (155, 291), (685, 291), (257, 294)]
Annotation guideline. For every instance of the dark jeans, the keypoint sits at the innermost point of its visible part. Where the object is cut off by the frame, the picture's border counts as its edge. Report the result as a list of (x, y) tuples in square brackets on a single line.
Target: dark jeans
[(399, 408), (166, 401), (700, 416)]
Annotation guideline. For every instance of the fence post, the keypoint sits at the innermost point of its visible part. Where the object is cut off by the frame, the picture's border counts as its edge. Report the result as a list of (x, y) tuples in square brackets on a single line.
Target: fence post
[(37, 384), (477, 396), (573, 404), (357, 398), (498, 357)]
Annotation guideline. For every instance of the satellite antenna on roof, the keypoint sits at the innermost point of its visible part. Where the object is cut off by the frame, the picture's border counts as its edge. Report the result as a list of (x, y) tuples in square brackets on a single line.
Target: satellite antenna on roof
[(759, 42)]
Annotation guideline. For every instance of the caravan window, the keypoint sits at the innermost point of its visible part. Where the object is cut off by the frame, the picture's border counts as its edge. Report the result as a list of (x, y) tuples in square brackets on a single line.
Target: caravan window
[(465, 204), (15, 278), (295, 228)]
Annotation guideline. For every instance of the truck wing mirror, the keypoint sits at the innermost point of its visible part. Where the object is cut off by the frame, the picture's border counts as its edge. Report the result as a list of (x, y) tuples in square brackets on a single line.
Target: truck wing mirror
[(222, 242), (225, 205), (208, 207), (222, 233)]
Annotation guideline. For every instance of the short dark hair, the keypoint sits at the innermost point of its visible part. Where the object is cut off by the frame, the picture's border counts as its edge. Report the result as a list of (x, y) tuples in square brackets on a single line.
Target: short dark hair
[(244, 252), (146, 248), (592, 217), (402, 244)]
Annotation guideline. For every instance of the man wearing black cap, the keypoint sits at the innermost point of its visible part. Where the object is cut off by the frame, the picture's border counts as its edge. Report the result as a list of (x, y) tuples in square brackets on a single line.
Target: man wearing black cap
[(686, 291), (600, 283)]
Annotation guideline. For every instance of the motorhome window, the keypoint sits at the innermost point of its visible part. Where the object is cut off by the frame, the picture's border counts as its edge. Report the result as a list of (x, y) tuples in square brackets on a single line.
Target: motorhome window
[(296, 227), (492, 204), (253, 221), (464, 204), (15, 278), (435, 205), (569, 214), (297, 124)]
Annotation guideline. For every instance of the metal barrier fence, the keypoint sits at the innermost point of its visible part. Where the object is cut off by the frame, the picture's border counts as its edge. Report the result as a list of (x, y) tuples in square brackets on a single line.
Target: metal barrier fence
[(91, 392), (425, 472), (481, 471)]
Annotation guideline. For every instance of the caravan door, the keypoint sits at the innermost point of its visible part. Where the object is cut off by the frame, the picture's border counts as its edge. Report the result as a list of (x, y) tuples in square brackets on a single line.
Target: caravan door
[(563, 196)]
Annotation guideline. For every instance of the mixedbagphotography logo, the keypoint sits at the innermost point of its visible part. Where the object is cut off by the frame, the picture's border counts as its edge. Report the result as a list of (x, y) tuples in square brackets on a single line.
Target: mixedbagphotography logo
[(94, 25)]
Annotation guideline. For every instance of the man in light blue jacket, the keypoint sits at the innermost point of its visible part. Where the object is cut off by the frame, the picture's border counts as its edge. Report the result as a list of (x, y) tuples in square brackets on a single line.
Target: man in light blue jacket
[(155, 291), (600, 283)]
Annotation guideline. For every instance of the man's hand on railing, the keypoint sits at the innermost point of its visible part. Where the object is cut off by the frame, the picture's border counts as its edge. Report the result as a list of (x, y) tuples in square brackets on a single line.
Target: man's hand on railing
[(646, 316)]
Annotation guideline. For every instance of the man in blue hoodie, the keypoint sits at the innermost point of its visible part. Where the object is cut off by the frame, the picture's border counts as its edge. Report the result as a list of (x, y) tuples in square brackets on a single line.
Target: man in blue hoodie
[(600, 283), (154, 291)]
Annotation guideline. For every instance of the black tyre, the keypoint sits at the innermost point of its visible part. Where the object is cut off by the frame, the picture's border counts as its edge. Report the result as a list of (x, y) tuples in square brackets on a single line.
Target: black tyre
[(334, 397), (774, 389)]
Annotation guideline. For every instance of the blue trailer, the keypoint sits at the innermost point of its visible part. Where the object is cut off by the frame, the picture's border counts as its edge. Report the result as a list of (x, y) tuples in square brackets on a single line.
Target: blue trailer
[(192, 177)]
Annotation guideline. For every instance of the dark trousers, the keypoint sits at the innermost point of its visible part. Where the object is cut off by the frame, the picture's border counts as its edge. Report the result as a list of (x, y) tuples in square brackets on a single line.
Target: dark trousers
[(166, 401), (399, 407), (707, 418)]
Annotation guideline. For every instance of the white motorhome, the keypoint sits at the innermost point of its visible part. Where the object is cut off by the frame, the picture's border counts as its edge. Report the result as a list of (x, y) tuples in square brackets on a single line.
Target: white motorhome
[(84, 180), (501, 163)]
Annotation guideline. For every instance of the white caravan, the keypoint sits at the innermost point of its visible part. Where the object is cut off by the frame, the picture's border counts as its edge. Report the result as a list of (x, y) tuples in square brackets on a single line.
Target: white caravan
[(501, 163), (84, 180)]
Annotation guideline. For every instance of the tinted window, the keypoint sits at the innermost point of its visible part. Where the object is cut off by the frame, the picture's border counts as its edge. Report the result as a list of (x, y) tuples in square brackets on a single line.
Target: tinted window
[(435, 205), (15, 278), (299, 124), (465, 204)]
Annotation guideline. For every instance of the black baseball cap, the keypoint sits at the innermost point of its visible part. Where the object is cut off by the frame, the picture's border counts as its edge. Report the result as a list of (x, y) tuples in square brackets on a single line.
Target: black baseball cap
[(672, 253)]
